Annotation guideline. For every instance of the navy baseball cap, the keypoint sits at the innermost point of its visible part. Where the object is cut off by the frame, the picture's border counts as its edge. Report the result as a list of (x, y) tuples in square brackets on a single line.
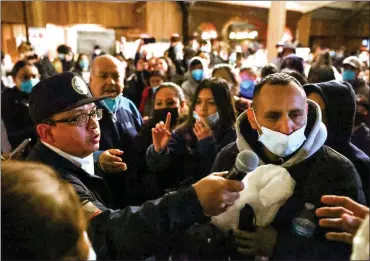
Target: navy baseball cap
[(59, 93)]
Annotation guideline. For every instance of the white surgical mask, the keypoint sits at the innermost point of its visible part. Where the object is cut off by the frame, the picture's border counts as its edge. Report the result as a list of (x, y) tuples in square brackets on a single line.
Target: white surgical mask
[(92, 254), (280, 144)]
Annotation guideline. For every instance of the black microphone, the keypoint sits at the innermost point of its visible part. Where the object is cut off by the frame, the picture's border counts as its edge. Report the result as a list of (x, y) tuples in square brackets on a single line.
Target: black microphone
[(246, 161)]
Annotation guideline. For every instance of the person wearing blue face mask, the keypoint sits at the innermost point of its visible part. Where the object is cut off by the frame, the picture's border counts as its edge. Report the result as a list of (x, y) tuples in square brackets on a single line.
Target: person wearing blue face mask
[(351, 68), (188, 153), (81, 67), (120, 125), (146, 107), (197, 70), (248, 77), (14, 103)]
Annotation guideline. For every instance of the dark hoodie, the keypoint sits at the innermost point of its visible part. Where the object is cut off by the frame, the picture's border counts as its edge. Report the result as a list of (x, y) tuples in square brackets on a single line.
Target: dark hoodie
[(340, 104)]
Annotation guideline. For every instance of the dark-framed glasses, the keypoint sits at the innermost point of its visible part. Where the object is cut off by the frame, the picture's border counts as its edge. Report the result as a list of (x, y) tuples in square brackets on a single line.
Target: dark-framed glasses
[(82, 119)]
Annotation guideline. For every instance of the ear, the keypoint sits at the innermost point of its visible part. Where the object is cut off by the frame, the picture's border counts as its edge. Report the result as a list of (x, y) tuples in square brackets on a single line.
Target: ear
[(252, 119), (306, 107), (44, 132)]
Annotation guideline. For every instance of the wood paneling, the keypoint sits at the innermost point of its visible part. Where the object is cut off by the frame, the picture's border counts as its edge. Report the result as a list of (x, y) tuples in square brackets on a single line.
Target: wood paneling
[(108, 14), (9, 32), (11, 12), (163, 19), (304, 26)]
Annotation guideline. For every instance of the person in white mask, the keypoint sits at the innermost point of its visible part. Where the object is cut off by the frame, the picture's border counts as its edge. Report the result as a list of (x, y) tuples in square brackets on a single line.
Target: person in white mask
[(284, 128), (50, 224)]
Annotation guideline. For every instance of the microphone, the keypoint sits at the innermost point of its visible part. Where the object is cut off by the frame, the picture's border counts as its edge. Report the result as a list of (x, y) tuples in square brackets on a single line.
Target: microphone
[(246, 161)]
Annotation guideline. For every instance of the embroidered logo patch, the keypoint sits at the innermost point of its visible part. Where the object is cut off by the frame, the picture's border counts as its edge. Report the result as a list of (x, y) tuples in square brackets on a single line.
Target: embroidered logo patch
[(79, 85)]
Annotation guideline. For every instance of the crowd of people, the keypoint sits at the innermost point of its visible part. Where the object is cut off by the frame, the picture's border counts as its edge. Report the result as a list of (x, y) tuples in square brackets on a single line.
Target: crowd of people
[(109, 158)]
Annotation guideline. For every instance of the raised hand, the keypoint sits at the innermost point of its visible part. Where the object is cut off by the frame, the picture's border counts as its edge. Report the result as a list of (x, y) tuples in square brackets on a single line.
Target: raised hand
[(161, 134), (343, 213), (202, 130), (110, 162)]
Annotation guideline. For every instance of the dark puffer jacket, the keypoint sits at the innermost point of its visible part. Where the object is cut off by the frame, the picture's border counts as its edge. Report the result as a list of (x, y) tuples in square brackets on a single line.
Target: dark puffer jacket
[(340, 106)]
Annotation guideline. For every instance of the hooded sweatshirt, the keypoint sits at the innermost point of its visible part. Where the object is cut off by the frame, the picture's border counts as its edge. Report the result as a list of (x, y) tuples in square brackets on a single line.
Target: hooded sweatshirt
[(317, 170), (340, 105), (190, 85)]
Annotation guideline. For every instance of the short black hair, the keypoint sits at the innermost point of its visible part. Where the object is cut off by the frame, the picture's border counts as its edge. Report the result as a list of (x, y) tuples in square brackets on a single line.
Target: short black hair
[(19, 65), (195, 62), (274, 79), (299, 77), (158, 73), (269, 69), (64, 49)]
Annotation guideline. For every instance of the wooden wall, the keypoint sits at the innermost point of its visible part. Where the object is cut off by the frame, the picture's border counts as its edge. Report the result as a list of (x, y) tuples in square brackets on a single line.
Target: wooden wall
[(163, 19), (108, 14), (304, 26)]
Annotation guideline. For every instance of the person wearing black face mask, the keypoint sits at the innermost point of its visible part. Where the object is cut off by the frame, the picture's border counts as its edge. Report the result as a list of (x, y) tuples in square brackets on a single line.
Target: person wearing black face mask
[(361, 132), (169, 98)]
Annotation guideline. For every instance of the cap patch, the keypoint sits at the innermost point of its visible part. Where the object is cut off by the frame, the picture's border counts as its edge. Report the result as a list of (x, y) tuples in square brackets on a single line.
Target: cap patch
[(79, 85)]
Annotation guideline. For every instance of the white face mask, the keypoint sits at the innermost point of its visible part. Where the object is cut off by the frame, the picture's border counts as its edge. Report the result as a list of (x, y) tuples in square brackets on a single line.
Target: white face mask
[(92, 254), (280, 144)]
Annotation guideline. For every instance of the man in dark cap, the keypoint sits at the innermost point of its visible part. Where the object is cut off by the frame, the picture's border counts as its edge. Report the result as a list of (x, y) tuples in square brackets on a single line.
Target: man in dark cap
[(284, 49), (66, 119), (351, 68)]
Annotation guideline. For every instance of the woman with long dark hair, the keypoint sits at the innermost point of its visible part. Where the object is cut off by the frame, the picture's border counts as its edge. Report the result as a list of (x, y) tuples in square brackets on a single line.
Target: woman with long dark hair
[(188, 153)]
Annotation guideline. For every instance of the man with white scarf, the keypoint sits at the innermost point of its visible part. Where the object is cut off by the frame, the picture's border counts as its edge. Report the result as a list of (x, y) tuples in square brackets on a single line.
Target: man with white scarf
[(285, 130)]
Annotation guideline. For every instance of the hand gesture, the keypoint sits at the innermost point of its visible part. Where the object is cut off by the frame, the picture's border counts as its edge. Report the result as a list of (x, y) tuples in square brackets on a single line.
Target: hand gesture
[(109, 162), (344, 214), (202, 130), (161, 135), (217, 194), (261, 242)]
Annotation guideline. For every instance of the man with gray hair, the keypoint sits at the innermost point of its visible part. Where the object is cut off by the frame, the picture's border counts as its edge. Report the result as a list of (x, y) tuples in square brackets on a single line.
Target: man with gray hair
[(120, 125)]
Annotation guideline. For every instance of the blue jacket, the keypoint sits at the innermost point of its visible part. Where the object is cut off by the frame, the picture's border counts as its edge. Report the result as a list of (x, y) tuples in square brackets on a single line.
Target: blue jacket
[(187, 159), (117, 132), (118, 129)]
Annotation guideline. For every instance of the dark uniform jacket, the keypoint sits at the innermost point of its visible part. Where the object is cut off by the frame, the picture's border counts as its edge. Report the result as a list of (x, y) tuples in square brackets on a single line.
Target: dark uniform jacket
[(317, 170), (132, 232)]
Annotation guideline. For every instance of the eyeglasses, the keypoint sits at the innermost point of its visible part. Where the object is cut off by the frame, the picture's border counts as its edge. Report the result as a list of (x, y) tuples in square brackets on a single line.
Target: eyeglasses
[(82, 119)]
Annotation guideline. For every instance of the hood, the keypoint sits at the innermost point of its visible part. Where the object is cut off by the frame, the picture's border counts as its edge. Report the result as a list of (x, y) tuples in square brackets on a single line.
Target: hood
[(204, 65), (340, 104), (247, 138)]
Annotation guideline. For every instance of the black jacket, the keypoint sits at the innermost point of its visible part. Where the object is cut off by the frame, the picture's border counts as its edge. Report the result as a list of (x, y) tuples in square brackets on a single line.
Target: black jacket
[(317, 170), (340, 109), (132, 232), (16, 117), (361, 139), (187, 159)]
